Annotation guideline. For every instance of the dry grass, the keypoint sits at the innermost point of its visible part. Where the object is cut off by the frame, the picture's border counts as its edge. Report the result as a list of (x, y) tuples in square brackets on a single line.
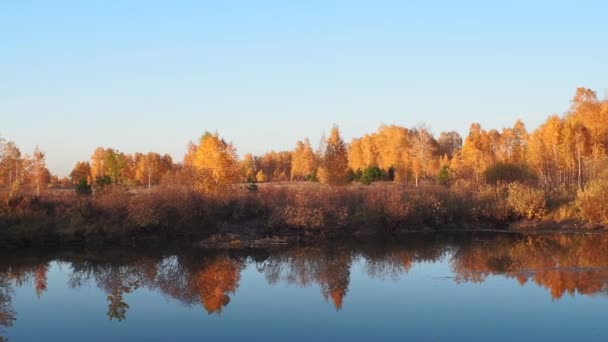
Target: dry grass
[(305, 209)]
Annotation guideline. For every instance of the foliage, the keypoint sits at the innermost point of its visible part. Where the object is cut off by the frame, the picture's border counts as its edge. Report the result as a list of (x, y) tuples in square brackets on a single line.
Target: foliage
[(445, 176), (102, 182), (83, 188), (526, 201), (303, 162), (504, 172), (593, 201), (370, 174), (82, 170), (334, 161), (215, 164)]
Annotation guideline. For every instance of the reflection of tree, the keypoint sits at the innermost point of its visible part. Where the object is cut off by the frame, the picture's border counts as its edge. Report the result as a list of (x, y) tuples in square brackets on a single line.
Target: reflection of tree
[(215, 280), (562, 264), (573, 263), (40, 278), (7, 315), (117, 307), (334, 278), (115, 280), (329, 267)]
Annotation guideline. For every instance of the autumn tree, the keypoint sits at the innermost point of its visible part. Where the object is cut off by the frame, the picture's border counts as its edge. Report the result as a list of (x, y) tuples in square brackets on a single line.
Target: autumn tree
[(215, 163), (260, 176), (449, 143), (12, 168), (422, 150), (190, 154), (363, 152), (151, 167), (276, 165), (247, 168), (479, 151), (303, 162), (334, 161), (513, 144), (393, 143), (98, 168), (40, 174), (81, 171)]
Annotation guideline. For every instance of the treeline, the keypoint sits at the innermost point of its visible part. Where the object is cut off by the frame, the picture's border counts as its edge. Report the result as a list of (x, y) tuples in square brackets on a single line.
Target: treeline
[(557, 172), (564, 152), (22, 174)]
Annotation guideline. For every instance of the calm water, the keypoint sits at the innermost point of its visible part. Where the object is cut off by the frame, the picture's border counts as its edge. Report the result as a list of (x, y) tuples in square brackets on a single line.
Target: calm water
[(425, 288)]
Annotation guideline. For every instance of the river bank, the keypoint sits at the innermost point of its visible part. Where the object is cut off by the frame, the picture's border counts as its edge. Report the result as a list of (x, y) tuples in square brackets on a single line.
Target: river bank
[(295, 213)]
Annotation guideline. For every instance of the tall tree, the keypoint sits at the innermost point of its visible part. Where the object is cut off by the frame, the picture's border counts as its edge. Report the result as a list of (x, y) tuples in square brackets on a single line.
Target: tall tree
[(81, 171), (247, 167), (449, 143), (12, 168), (40, 174), (303, 162), (334, 163), (422, 149), (149, 169)]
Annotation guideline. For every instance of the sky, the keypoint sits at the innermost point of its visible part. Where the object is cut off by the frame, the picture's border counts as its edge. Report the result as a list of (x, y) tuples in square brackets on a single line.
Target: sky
[(144, 76)]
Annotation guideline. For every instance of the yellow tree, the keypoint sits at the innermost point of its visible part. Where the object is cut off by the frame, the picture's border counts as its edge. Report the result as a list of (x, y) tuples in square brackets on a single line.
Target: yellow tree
[(247, 168), (97, 163), (422, 150), (479, 150), (449, 143), (392, 146), (355, 155), (513, 143), (590, 116), (40, 174), (215, 163), (81, 171), (334, 162), (190, 154), (261, 176), (12, 168), (149, 169), (303, 162)]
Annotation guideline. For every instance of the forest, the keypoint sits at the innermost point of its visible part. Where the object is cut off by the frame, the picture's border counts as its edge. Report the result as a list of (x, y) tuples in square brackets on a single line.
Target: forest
[(389, 181)]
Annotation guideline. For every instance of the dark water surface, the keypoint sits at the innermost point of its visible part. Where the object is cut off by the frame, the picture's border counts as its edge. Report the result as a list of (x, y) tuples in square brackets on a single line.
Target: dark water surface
[(482, 287)]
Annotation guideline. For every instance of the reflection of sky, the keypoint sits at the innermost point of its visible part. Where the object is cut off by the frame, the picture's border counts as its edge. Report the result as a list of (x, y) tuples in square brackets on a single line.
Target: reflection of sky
[(424, 304)]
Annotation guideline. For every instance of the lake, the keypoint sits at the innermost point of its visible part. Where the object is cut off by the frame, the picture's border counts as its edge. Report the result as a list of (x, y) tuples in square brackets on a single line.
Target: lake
[(434, 287)]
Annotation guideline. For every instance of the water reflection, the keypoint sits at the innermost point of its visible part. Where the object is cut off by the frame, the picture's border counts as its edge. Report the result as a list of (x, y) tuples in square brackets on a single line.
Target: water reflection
[(566, 263)]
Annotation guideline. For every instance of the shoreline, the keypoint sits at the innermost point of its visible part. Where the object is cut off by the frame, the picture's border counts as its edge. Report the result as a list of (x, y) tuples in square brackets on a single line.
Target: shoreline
[(235, 236)]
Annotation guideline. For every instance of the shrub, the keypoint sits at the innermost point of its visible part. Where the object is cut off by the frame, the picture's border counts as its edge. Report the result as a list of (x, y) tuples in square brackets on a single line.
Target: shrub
[(83, 188), (112, 203), (593, 201), (371, 174), (490, 203), (445, 176), (526, 201), (103, 181), (507, 173), (145, 210)]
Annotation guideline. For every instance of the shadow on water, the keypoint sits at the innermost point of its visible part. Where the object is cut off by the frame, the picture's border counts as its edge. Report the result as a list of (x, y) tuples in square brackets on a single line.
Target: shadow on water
[(560, 263)]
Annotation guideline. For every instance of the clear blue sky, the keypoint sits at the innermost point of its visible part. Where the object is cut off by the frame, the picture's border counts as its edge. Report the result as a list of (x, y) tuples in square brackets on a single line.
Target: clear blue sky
[(151, 75)]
